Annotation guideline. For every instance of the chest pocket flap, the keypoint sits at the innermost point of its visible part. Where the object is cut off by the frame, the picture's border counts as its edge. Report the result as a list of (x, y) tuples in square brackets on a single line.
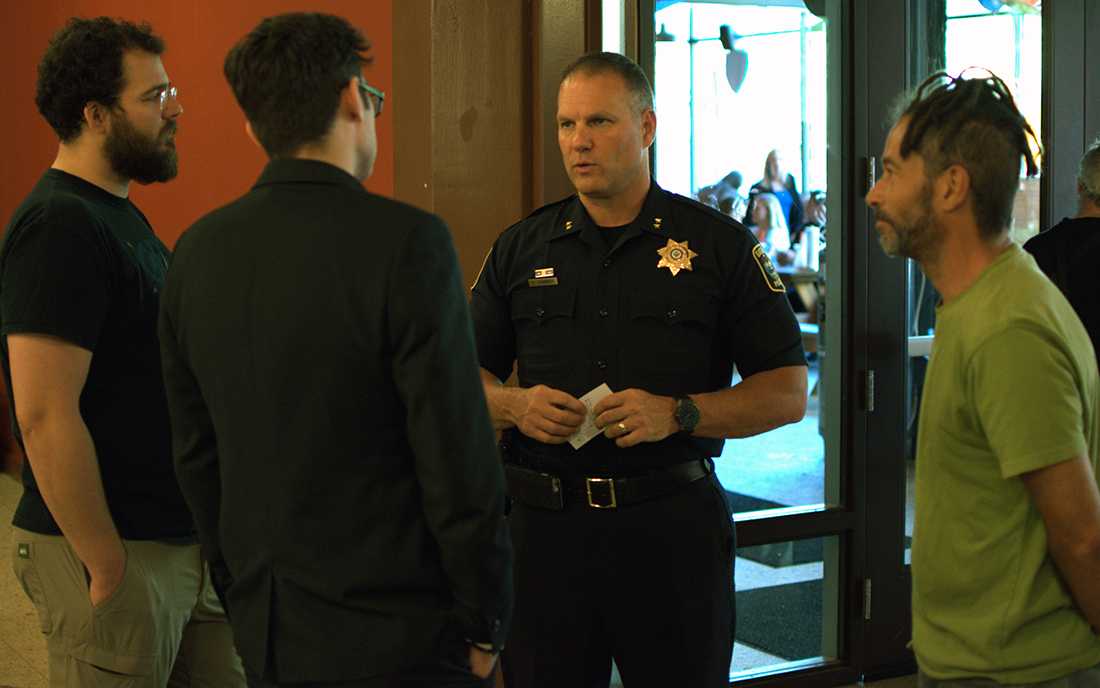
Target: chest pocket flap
[(694, 311), (543, 305)]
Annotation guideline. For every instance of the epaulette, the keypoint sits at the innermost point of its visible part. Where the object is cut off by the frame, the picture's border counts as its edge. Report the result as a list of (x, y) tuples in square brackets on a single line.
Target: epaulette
[(550, 206)]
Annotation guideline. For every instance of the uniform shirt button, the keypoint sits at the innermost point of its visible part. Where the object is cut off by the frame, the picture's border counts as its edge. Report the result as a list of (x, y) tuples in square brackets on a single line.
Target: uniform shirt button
[(672, 313), (603, 312), (607, 263), (601, 364)]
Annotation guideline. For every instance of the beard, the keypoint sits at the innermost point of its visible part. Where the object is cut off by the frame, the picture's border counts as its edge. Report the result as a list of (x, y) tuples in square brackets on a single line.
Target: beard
[(917, 236), (135, 156)]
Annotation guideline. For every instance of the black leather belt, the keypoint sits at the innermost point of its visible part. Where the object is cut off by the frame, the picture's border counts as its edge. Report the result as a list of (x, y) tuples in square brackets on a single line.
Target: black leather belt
[(547, 491)]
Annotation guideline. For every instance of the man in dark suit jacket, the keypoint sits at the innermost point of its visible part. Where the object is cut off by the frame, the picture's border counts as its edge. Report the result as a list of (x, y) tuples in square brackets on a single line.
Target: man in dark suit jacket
[(329, 427)]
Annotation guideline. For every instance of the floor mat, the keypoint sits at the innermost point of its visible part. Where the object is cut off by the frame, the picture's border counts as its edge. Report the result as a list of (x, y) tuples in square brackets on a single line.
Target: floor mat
[(782, 620)]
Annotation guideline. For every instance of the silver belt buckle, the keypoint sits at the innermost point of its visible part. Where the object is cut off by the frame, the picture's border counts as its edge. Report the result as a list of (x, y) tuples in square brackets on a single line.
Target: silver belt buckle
[(598, 502)]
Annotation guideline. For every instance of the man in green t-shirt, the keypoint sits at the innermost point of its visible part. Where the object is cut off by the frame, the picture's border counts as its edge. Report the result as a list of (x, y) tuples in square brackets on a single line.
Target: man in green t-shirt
[(1006, 548)]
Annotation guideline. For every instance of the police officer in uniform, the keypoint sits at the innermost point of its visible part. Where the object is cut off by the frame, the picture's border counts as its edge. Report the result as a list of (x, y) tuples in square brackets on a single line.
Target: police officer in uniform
[(624, 546)]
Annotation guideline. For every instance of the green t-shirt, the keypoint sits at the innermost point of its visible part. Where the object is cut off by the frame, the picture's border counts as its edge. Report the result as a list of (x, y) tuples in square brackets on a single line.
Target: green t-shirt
[(1011, 387)]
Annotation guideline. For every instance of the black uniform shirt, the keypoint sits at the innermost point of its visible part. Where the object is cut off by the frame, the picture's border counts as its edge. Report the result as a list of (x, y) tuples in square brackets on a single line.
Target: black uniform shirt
[(1068, 254), (575, 313)]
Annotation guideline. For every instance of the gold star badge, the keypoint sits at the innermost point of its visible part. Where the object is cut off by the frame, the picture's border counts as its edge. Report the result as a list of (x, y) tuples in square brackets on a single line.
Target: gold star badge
[(675, 256)]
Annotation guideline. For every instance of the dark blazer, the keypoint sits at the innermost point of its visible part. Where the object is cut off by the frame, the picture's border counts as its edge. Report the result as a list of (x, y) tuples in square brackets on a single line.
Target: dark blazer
[(330, 430)]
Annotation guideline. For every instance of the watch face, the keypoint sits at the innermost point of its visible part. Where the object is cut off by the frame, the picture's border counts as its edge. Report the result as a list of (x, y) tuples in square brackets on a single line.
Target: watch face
[(687, 414)]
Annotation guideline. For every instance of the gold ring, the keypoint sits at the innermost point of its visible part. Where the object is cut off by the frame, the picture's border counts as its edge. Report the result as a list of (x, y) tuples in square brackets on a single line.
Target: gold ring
[(623, 428)]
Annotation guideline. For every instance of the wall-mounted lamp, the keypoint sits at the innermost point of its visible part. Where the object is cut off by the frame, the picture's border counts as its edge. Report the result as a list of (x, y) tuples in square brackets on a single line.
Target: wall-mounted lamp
[(737, 60), (1022, 6)]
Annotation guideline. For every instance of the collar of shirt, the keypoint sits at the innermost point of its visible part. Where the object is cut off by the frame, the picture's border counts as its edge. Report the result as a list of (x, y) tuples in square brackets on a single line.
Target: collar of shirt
[(574, 220), (297, 170)]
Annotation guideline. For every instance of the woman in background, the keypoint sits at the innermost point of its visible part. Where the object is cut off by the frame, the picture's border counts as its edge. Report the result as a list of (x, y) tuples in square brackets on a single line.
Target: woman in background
[(779, 183), (770, 226)]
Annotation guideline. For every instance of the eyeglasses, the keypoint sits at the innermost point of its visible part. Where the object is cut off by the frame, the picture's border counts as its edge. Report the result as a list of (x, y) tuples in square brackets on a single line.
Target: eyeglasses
[(377, 98), (170, 93)]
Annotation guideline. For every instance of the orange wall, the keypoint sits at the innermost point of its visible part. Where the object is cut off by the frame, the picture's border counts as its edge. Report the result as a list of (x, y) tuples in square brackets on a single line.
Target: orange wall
[(217, 161)]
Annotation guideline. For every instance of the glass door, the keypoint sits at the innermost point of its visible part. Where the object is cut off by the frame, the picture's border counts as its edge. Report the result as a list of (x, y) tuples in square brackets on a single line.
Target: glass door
[(750, 100)]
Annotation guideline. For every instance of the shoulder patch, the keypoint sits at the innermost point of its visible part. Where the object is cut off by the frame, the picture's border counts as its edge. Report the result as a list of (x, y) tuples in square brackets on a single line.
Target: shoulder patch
[(771, 277)]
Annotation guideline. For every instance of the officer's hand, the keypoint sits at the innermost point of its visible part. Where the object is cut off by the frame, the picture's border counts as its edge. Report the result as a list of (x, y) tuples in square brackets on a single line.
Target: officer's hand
[(481, 662), (633, 416), (548, 415)]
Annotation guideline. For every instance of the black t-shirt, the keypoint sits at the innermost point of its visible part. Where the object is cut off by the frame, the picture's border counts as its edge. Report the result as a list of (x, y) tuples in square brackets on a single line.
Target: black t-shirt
[(683, 295), (83, 265), (1068, 253)]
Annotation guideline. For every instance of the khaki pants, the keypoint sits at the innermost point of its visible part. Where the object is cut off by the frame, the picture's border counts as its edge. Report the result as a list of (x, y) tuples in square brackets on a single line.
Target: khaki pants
[(163, 626), (1086, 678)]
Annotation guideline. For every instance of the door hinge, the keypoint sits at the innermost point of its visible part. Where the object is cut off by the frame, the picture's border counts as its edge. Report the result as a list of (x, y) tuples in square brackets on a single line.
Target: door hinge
[(869, 391), (871, 172), (866, 599)]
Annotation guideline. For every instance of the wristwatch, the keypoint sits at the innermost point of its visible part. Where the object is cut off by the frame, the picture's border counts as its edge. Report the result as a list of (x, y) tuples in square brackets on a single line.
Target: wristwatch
[(686, 414)]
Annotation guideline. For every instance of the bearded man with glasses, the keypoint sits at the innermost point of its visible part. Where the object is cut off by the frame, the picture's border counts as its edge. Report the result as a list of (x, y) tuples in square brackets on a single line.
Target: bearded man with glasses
[(105, 546)]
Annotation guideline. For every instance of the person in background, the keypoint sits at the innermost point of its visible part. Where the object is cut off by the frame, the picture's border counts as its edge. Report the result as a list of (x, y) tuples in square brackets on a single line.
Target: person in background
[(780, 183), (815, 210), (1069, 252), (105, 546), (770, 227), (1006, 546), (811, 238), (726, 196)]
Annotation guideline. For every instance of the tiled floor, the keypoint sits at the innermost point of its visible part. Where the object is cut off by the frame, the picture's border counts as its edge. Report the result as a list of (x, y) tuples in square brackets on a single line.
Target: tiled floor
[(23, 653)]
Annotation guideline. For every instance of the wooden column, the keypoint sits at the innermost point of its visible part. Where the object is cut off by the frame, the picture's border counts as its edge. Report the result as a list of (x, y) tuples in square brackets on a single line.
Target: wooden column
[(461, 106)]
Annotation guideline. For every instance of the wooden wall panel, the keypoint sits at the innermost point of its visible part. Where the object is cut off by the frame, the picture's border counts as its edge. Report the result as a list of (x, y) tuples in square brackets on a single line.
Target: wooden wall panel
[(479, 129), (562, 39), (463, 129)]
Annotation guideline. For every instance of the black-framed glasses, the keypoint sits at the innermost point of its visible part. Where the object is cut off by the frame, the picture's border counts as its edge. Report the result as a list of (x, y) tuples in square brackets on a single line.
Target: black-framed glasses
[(377, 98)]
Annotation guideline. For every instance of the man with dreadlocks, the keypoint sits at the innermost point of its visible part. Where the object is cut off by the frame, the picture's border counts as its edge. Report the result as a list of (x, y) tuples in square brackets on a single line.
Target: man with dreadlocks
[(1006, 549)]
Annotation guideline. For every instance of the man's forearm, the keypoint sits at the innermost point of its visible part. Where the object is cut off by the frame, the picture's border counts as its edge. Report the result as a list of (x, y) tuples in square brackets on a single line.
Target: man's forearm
[(66, 470), (759, 403), (499, 399), (1079, 564)]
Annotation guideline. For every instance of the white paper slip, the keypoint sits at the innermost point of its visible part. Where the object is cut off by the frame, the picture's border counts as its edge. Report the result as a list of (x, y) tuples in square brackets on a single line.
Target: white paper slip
[(588, 428)]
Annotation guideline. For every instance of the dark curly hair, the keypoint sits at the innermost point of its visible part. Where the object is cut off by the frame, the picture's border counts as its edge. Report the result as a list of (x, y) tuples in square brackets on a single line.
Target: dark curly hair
[(83, 64), (287, 74), (972, 122)]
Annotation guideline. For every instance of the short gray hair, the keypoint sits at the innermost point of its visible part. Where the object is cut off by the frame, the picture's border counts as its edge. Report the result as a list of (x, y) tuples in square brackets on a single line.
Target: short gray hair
[(627, 69), (1088, 173)]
